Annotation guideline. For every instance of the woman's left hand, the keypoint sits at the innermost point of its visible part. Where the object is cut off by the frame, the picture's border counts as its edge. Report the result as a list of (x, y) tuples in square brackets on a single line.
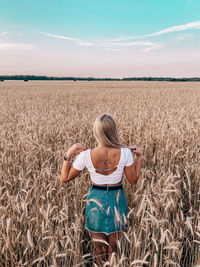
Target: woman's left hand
[(75, 149), (136, 151)]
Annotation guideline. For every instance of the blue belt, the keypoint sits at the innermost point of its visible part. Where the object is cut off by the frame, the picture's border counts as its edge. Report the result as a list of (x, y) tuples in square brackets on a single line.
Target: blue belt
[(107, 187)]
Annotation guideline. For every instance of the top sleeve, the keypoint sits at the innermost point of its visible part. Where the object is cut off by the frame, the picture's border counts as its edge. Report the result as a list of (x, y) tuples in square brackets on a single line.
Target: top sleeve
[(129, 158), (79, 162)]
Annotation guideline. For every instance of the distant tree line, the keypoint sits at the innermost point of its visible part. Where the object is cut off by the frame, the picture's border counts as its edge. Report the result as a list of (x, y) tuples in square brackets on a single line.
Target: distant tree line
[(193, 79), (46, 78)]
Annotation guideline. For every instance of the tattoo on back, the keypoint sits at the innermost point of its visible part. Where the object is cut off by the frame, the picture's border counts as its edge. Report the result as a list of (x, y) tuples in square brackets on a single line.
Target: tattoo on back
[(107, 161)]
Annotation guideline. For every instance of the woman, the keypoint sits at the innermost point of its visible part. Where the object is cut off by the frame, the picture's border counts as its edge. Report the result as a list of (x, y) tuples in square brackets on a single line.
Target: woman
[(106, 205)]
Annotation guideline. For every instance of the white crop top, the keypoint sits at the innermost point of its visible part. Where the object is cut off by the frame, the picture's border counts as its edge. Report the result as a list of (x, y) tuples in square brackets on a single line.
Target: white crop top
[(84, 160)]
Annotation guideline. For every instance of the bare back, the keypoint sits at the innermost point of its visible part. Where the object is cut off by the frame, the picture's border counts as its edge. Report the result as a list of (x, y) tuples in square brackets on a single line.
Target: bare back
[(104, 158)]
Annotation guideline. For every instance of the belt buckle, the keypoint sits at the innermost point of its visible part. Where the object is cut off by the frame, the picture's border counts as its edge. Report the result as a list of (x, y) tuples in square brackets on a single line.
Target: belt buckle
[(107, 187)]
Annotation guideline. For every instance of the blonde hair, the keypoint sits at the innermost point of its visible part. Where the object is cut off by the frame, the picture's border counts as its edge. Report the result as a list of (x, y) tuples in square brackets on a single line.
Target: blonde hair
[(105, 131)]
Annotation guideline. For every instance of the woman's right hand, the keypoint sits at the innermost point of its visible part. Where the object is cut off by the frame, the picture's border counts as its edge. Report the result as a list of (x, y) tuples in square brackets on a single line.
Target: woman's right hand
[(136, 151), (75, 149)]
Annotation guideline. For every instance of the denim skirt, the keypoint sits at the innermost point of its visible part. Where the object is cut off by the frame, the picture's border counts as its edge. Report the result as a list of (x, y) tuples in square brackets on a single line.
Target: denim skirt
[(106, 210)]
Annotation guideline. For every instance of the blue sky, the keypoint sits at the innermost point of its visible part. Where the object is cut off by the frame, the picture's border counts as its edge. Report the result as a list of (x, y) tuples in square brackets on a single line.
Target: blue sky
[(100, 38)]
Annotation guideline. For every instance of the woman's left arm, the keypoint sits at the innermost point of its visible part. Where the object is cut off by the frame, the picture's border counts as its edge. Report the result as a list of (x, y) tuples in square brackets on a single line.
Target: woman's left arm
[(68, 172)]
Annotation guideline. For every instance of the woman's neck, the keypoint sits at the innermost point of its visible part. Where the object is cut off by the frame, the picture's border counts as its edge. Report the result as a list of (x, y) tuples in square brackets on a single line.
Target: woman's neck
[(101, 146)]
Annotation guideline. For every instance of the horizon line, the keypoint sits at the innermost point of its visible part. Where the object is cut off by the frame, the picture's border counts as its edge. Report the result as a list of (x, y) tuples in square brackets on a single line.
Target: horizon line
[(92, 77)]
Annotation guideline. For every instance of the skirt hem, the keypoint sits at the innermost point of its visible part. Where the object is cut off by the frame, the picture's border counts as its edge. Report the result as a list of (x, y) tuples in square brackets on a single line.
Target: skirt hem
[(105, 232)]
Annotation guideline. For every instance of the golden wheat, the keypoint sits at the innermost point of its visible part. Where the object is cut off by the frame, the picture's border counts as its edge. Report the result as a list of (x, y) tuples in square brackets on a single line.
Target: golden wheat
[(42, 221)]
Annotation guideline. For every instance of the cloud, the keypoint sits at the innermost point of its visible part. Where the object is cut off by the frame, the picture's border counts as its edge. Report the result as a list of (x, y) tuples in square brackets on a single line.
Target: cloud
[(183, 37), (114, 44), (177, 28), (148, 45), (16, 46), (58, 36), (139, 43), (122, 42), (108, 45), (154, 46), (78, 41), (3, 33), (115, 49), (183, 27)]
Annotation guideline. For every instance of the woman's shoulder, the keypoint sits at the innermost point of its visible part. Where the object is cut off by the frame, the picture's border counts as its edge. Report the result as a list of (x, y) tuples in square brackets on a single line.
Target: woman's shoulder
[(85, 154), (126, 149), (126, 153)]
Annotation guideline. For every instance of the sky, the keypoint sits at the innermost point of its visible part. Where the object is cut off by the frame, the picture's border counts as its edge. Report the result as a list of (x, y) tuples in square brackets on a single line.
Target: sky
[(100, 38)]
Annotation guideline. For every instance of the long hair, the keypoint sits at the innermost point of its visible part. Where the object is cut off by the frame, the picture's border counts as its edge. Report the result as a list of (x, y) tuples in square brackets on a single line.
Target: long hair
[(105, 131)]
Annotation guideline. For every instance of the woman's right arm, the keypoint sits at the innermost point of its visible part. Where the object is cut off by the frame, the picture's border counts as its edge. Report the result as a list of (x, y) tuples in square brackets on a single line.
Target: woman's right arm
[(69, 172), (133, 172)]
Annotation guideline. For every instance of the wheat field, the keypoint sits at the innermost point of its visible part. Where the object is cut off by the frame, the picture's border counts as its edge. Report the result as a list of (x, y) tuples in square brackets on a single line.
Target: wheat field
[(42, 221)]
